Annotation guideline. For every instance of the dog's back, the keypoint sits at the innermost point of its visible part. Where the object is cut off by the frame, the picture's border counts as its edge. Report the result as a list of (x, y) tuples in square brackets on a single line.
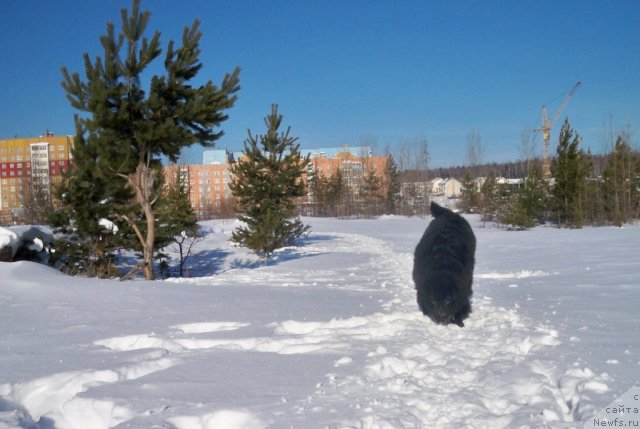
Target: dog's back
[(443, 267)]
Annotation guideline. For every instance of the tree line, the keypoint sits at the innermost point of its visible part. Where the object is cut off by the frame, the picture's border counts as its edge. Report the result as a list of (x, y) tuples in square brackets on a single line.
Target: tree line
[(353, 192), (584, 189)]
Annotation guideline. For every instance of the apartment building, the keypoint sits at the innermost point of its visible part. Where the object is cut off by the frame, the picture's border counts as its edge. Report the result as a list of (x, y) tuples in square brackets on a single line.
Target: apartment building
[(30, 165), (208, 183), (354, 163)]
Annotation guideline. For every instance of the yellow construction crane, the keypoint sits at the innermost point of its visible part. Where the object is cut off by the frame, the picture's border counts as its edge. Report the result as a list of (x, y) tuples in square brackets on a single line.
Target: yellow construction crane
[(547, 124)]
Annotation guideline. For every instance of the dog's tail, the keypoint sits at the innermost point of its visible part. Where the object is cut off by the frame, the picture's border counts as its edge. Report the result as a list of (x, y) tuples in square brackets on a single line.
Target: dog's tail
[(437, 210)]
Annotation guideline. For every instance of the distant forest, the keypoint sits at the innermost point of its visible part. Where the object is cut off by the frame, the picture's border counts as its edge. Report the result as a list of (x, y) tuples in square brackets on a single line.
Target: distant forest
[(509, 170)]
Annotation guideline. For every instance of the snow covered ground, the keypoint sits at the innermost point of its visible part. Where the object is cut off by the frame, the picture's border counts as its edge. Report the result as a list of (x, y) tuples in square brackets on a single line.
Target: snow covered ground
[(328, 335)]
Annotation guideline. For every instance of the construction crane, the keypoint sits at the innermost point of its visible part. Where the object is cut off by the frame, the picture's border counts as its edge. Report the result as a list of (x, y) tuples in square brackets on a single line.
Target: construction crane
[(547, 124)]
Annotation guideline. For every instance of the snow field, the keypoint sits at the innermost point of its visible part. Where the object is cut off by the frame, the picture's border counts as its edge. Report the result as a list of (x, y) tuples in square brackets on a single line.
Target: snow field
[(325, 336)]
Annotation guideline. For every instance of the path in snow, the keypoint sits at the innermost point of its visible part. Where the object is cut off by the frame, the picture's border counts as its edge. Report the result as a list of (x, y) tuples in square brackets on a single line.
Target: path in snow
[(391, 369), (417, 374)]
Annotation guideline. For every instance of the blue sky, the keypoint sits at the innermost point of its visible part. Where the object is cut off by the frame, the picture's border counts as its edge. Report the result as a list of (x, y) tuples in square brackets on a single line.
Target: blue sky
[(352, 71)]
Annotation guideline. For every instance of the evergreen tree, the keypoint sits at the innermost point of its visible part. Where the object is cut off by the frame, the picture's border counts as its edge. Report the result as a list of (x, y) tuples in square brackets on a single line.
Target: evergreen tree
[(85, 196), (370, 193), (266, 181), (327, 193), (570, 170), (336, 191), (527, 204), (129, 128), (488, 198), (315, 190), (470, 201), (535, 194), (513, 212), (592, 197), (621, 183), (392, 188), (177, 221)]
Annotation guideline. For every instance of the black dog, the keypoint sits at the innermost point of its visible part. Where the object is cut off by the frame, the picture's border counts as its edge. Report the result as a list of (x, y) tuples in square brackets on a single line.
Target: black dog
[(443, 267)]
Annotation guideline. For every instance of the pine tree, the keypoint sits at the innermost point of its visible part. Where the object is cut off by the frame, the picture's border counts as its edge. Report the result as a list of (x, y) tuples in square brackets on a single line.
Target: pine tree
[(488, 198), (327, 193), (592, 198), (177, 222), (392, 188), (535, 194), (85, 196), (570, 170), (513, 212), (336, 191), (527, 204), (130, 128), (317, 185), (470, 202), (621, 182), (267, 179), (370, 193)]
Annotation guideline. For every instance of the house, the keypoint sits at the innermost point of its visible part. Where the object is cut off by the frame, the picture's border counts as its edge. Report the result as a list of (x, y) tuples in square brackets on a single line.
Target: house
[(449, 188)]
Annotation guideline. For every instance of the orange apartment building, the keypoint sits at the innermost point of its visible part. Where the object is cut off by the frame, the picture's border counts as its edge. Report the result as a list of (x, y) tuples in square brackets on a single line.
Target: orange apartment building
[(354, 167), (29, 162), (209, 182)]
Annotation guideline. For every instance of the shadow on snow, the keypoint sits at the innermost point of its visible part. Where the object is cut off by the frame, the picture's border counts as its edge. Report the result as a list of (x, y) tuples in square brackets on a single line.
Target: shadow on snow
[(214, 261)]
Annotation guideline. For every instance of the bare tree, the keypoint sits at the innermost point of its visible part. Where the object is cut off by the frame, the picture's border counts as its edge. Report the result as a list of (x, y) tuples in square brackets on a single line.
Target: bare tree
[(368, 141), (475, 152), (35, 199), (422, 158), (183, 246), (527, 149)]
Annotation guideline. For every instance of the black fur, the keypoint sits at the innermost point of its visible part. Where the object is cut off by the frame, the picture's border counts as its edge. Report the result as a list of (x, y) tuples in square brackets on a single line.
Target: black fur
[(443, 267)]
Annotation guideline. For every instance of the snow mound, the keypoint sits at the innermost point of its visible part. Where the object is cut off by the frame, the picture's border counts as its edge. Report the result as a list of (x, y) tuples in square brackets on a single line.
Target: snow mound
[(14, 237), (524, 274), (206, 327), (228, 419)]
